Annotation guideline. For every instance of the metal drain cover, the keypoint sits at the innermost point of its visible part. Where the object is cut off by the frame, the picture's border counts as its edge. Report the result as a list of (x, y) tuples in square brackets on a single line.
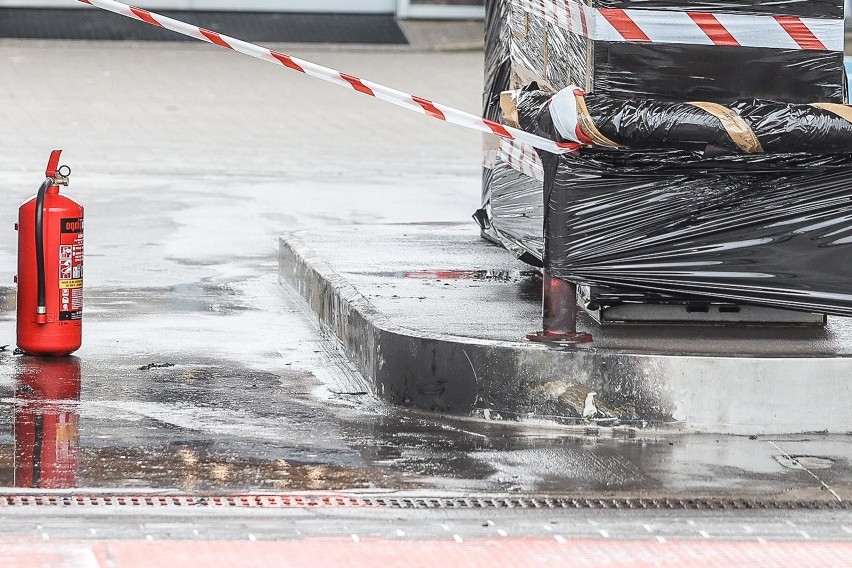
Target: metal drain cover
[(279, 501)]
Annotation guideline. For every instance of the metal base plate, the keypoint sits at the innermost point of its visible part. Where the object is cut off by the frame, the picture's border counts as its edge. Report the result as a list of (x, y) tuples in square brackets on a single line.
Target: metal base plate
[(563, 338), (702, 314)]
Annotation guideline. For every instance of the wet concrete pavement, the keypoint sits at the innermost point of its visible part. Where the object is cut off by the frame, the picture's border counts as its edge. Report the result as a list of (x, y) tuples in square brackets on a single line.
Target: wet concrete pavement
[(200, 374), (197, 424), (181, 246)]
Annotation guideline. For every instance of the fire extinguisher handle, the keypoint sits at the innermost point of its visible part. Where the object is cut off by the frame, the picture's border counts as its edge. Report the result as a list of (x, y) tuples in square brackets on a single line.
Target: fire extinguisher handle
[(41, 306), (54, 177), (53, 164)]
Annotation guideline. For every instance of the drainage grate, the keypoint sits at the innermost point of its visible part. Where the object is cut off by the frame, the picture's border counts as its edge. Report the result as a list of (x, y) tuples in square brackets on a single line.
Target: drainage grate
[(338, 501)]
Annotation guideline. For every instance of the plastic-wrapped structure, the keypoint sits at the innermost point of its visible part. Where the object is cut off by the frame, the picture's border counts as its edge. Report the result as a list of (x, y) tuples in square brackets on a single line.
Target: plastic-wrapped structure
[(709, 173)]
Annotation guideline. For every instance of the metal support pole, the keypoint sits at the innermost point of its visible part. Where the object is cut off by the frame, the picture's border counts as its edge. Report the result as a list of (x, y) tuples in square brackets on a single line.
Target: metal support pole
[(559, 297), (559, 312)]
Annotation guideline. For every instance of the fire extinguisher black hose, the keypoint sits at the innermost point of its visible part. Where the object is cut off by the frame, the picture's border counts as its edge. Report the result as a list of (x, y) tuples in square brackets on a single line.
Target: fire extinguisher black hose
[(39, 245)]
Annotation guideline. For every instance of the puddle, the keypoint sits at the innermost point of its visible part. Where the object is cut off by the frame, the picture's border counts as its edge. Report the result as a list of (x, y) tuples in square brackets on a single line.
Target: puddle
[(474, 275), (805, 462), (201, 297), (211, 425)]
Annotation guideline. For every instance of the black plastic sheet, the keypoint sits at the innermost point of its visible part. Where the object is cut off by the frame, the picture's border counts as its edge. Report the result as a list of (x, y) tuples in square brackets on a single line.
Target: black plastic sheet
[(512, 209), (670, 219), (555, 57), (778, 127), (498, 65), (498, 68), (765, 229), (820, 8), (776, 239), (717, 73)]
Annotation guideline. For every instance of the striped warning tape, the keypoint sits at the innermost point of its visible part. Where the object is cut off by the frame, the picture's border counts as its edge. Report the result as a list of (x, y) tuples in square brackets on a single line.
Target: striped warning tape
[(517, 155), (387, 94), (522, 158), (682, 27)]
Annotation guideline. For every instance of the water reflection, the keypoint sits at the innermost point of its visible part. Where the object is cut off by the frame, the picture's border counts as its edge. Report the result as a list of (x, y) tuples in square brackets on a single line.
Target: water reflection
[(210, 427), (47, 392)]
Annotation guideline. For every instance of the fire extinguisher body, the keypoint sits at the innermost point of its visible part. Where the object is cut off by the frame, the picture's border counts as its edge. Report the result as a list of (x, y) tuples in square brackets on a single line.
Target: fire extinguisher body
[(58, 330)]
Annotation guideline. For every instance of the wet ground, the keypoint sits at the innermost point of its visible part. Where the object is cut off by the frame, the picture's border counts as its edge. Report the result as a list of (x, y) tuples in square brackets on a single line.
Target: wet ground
[(201, 374), (201, 403)]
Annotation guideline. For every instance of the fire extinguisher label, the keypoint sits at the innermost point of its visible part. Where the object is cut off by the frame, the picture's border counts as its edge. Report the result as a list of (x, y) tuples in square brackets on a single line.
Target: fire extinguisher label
[(71, 269)]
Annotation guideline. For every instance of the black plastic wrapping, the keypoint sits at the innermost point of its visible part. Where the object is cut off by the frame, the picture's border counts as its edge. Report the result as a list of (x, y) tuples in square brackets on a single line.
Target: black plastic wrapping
[(775, 239), (647, 123), (498, 65), (814, 8), (516, 212), (770, 229), (557, 58), (512, 210), (497, 71), (774, 230), (717, 73)]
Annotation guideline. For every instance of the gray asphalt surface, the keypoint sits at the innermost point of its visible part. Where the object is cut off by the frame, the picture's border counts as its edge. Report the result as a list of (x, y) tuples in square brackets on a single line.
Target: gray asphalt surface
[(430, 524)]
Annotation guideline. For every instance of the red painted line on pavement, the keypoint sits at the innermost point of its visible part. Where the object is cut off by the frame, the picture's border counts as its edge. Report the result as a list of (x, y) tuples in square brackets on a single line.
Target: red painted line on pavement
[(369, 553), (215, 38), (800, 32), (623, 24), (713, 28)]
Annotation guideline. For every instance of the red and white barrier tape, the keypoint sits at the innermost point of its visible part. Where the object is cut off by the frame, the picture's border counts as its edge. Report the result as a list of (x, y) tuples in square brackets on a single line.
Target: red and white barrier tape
[(398, 98), (698, 28), (564, 113), (517, 155), (522, 158)]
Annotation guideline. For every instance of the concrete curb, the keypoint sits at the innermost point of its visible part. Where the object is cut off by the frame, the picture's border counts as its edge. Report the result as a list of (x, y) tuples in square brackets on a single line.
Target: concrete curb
[(508, 380)]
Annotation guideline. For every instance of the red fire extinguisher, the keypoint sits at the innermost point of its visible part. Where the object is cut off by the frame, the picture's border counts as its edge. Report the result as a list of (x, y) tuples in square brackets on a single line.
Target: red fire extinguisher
[(50, 268)]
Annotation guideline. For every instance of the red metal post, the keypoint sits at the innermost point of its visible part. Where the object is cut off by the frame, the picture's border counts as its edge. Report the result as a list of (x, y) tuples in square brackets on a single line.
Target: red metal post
[(559, 312)]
